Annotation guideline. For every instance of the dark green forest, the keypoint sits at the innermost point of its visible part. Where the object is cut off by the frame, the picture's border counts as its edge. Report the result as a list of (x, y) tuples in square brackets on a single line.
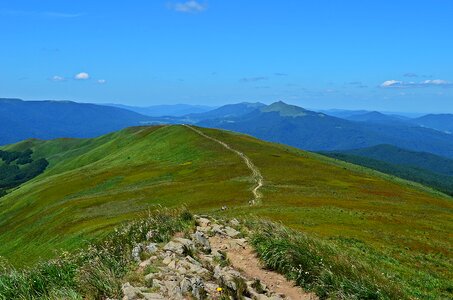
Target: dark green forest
[(438, 181), (17, 168)]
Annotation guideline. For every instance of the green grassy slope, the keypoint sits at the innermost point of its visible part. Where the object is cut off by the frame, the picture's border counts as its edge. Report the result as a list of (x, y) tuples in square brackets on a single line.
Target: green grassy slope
[(91, 185)]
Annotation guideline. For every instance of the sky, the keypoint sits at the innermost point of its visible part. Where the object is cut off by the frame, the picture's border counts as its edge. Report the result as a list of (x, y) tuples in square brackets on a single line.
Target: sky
[(377, 55)]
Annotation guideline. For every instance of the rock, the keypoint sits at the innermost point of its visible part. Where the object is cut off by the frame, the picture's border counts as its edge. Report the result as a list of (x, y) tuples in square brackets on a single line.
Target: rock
[(201, 240), (206, 229), (183, 241), (150, 234), (151, 248), (173, 289), (197, 286), (204, 222), (145, 263), (136, 252), (167, 260), (172, 264), (130, 292), (234, 222), (149, 280), (185, 285), (174, 247), (231, 232), (216, 228), (152, 296)]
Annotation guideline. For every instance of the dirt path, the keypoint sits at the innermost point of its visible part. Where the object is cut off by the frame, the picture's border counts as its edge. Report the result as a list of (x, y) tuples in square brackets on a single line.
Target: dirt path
[(243, 258), (256, 174)]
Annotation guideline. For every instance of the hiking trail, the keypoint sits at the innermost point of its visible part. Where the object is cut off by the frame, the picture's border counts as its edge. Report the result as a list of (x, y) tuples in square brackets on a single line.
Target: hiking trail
[(256, 174)]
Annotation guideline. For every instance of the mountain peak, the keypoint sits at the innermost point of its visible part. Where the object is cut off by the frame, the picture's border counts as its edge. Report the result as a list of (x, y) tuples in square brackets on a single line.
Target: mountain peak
[(284, 109)]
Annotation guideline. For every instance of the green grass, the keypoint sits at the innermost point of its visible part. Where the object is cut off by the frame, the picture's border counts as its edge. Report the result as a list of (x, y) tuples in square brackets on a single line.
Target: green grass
[(93, 272), (401, 228)]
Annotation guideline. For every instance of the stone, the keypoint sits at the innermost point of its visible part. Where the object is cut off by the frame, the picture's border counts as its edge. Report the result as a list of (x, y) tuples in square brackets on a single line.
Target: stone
[(150, 234), (185, 285), (130, 292), (234, 222), (151, 248), (197, 286), (231, 232), (152, 296), (183, 241), (136, 252), (174, 247), (173, 289), (145, 263), (201, 240), (216, 228), (204, 222)]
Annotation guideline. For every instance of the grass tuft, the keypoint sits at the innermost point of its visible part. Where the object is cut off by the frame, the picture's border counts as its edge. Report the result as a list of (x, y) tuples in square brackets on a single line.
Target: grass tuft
[(94, 272), (319, 267)]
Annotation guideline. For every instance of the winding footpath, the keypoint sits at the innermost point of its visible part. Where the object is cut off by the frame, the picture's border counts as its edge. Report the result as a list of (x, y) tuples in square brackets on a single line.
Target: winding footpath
[(256, 174)]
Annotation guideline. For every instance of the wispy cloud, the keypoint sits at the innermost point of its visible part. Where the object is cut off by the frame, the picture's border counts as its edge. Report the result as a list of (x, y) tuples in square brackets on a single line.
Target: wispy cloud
[(191, 6), (82, 76), (57, 78), (41, 14), (254, 79), (280, 74), (412, 84), (101, 81), (358, 84), (410, 75)]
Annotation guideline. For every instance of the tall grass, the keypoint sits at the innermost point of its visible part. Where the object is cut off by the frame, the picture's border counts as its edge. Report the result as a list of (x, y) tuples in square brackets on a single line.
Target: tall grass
[(94, 272), (319, 267)]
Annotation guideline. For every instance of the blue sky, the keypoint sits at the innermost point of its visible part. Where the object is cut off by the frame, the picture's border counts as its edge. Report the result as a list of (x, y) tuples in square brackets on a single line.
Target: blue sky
[(384, 55)]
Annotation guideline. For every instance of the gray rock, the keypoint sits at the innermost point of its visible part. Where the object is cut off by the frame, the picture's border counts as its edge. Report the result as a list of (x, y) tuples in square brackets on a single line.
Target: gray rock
[(151, 248), (231, 232), (174, 247), (136, 252), (130, 292), (198, 288), (152, 296), (201, 241), (234, 222)]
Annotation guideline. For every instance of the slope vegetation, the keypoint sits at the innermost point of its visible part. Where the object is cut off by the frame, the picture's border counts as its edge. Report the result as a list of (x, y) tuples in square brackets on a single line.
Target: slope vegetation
[(91, 185), (426, 168)]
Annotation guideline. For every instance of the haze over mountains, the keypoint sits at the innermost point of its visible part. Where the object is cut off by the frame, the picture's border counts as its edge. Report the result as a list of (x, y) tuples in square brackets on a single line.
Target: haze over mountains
[(20, 120), (278, 122)]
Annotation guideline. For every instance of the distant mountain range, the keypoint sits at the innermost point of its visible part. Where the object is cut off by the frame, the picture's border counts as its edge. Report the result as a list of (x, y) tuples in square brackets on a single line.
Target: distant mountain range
[(21, 120), (425, 168), (295, 126), (176, 110), (278, 122)]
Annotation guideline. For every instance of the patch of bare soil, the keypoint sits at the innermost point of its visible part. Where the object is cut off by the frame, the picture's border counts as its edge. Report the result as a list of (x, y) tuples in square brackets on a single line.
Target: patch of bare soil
[(242, 257)]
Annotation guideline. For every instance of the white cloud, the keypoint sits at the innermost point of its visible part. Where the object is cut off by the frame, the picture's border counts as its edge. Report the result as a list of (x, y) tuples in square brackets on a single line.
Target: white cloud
[(101, 81), (191, 6), (57, 78), (82, 76), (391, 83), (412, 84)]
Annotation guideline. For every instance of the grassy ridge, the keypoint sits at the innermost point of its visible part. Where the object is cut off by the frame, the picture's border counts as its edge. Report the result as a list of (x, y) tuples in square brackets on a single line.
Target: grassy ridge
[(401, 228)]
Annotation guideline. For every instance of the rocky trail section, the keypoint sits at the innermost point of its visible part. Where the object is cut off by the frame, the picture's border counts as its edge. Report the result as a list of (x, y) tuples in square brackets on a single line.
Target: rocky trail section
[(256, 174), (214, 262)]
